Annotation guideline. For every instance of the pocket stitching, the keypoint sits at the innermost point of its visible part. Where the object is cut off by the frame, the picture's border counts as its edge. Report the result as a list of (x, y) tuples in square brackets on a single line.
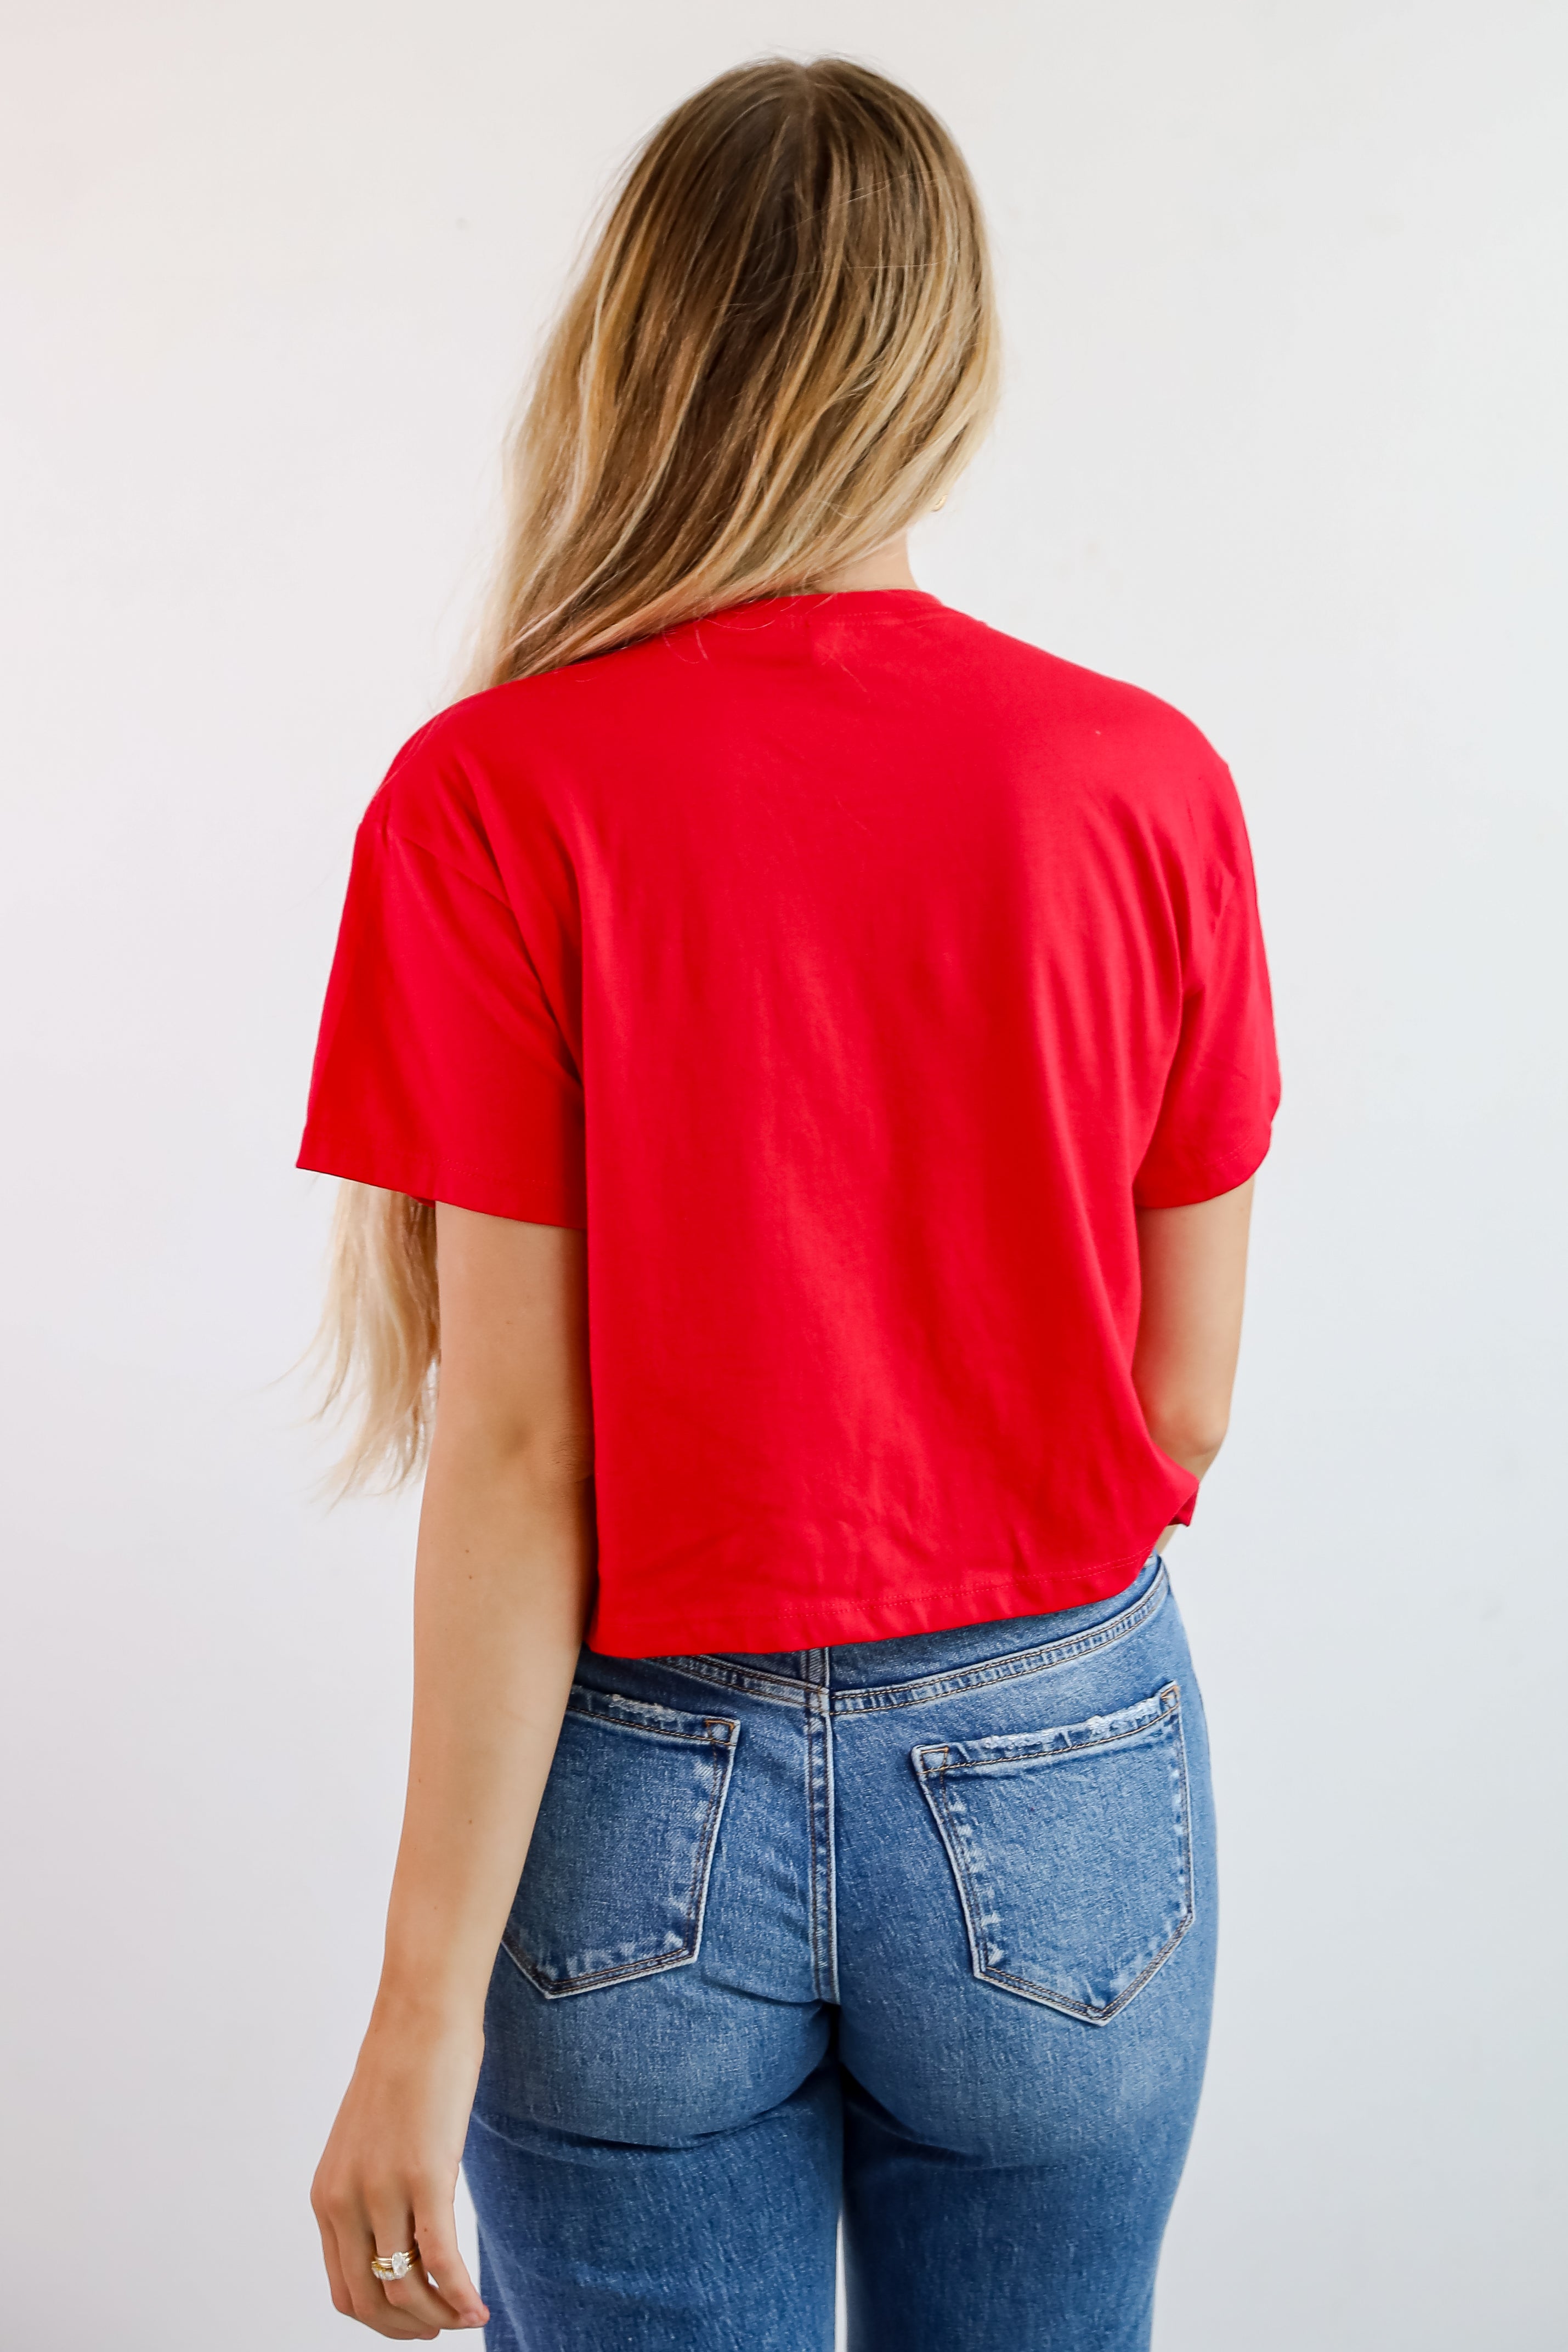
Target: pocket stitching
[(968, 1889), (630, 1715), (722, 1749), (1170, 1705)]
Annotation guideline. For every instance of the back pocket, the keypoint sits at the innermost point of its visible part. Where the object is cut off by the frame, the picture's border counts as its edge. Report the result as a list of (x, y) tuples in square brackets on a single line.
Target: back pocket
[(1072, 1852), (617, 1875)]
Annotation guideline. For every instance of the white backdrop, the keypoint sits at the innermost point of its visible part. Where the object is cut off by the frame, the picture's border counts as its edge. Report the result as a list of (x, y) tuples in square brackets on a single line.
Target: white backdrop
[(1283, 442)]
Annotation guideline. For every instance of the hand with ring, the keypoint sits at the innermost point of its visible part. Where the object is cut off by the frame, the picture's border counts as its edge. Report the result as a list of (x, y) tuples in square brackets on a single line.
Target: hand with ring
[(384, 2190)]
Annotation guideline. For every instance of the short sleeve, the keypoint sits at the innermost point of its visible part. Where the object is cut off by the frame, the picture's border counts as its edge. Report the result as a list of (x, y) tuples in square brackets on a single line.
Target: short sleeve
[(1223, 1088), (441, 1070)]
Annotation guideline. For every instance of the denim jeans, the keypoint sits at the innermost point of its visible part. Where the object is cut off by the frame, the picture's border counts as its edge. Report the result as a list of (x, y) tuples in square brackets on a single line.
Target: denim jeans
[(920, 1930)]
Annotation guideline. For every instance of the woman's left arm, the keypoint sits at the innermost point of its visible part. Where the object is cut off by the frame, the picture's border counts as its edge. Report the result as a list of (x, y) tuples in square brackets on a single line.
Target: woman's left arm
[(501, 1596)]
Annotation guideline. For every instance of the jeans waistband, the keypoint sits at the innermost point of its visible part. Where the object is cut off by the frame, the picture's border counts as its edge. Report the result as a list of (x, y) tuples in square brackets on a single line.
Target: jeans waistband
[(862, 1677)]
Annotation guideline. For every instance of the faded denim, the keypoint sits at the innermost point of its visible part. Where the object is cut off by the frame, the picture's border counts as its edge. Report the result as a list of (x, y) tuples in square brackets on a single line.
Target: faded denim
[(921, 1928)]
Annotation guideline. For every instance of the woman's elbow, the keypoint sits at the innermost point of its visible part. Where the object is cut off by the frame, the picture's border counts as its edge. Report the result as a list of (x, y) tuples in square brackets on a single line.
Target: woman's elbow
[(1190, 1436)]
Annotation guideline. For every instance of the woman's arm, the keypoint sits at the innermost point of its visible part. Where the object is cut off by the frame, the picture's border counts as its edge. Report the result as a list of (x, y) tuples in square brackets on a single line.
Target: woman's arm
[(501, 1596), (1193, 1264)]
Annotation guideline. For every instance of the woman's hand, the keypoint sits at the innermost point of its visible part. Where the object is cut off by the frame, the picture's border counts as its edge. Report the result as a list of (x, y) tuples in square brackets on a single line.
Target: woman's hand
[(387, 2178)]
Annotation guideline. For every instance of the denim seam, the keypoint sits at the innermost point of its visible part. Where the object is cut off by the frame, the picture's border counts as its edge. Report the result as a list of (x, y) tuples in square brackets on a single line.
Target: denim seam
[(818, 1745), (1061, 2001), (829, 1832), (647, 1730), (696, 1892), (780, 1690), (810, 1743), (968, 1893), (925, 1690), (1170, 1705), (1016, 1665), (590, 1705), (594, 1980)]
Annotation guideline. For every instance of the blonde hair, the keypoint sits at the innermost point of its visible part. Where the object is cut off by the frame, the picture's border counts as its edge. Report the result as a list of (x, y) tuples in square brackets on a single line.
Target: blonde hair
[(781, 350)]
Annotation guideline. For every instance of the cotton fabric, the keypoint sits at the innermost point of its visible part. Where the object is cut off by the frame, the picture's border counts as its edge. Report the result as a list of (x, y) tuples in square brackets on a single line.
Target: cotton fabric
[(850, 973)]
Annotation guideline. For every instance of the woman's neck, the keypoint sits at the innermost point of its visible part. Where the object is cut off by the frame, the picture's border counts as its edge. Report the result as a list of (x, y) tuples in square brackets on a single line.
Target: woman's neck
[(885, 567)]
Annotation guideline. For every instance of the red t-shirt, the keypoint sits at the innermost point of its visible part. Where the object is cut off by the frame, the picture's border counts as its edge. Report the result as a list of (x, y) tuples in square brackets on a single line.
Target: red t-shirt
[(849, 971)]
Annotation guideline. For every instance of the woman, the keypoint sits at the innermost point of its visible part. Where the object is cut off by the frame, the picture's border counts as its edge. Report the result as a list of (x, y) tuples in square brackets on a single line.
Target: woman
[(825, 1047)]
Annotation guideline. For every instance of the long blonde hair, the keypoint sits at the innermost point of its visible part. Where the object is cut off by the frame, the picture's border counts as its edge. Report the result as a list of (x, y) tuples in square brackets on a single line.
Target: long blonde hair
[(781, 350)]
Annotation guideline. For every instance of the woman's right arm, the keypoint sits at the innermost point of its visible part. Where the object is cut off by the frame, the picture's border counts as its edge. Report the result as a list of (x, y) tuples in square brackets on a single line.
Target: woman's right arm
[(1194, 1266), (501, 1596)]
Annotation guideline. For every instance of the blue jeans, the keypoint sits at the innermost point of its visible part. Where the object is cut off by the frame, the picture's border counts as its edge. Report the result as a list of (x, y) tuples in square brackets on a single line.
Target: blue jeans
[(922, 1929)]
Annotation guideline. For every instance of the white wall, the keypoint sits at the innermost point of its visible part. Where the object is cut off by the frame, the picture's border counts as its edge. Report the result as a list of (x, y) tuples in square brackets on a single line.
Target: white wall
[(1283, 442)]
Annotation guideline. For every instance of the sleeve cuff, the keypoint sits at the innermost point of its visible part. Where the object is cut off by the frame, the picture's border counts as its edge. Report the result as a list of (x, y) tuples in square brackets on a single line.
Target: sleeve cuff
[(536, 1199), (1184, 1187)]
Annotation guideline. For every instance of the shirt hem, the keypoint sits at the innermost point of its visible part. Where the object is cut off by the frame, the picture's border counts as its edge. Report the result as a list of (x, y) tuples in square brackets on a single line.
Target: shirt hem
[(825, 1624)]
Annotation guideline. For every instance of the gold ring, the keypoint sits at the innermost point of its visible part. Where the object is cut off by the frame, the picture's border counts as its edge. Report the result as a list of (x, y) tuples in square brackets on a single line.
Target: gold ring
[(395, 2267)]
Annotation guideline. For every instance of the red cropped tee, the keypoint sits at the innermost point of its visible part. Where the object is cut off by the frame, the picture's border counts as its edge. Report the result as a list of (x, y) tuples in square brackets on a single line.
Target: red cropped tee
[(850, 972)]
